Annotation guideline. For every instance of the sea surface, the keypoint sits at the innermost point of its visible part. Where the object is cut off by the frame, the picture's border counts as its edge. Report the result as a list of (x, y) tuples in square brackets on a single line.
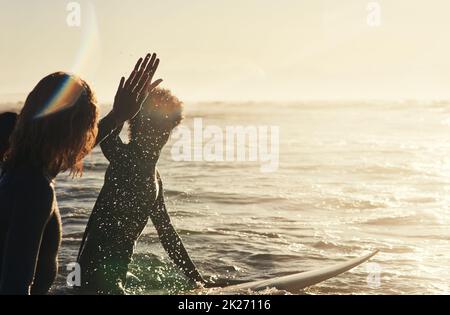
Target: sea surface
[(352, 177)]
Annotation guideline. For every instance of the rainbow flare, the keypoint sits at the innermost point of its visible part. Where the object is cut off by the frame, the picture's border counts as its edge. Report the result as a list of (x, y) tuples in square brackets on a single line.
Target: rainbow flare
[(65, 97), (69, 92)]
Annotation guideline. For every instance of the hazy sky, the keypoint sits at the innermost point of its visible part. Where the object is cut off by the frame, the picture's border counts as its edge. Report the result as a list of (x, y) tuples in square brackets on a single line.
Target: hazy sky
[(235, 49)]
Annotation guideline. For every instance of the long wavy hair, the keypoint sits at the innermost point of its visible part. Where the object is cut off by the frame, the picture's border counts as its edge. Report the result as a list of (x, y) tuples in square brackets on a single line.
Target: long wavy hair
[(7, 124), (56, 128)]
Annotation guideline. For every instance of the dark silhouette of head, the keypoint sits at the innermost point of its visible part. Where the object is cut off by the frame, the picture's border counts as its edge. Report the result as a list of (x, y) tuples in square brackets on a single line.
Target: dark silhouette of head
[(7, 123), (160, 114), (57, 126)]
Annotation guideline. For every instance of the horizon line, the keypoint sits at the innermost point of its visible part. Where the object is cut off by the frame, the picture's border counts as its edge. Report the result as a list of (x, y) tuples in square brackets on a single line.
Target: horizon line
[(102, 102)]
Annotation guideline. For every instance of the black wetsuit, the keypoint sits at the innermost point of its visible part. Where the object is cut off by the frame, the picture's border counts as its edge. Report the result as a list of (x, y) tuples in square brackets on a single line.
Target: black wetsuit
[(30, 232), (132, 193), (30, 226)]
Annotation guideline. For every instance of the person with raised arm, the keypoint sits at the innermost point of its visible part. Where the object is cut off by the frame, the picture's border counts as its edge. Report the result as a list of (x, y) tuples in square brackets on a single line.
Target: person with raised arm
[(56, 128), (132, 194)]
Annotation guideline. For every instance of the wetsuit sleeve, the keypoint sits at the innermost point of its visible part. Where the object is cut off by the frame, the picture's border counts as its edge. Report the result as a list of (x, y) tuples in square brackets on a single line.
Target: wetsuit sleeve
[(170, 239), (31, 212), (47, 263), (105, 127), (113, 147)]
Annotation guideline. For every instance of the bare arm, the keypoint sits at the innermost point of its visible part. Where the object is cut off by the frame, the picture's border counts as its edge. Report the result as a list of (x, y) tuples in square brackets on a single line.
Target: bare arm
[(171, 241), (31, 213)]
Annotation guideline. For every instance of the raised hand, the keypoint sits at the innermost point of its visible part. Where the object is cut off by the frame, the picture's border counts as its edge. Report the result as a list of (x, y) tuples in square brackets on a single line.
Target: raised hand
[(133, 92)]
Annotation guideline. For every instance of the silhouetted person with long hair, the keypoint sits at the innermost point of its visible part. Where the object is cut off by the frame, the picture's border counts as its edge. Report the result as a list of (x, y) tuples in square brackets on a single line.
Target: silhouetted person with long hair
[(57, 127), (7, 124), (131, 195)]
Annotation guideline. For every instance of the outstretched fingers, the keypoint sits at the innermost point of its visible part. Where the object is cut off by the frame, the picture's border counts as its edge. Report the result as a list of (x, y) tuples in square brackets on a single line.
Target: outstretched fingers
[(133, 74), (142, 84), (153, 85), (139, 83), (149, 72), (153, 69), (150, 64), (140, 72), (121, 85)]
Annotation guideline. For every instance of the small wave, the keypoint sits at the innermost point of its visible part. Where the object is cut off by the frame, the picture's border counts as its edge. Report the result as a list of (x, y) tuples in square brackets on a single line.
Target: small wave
[(154, 274), (357, 204), (99, 167), (268, 291), (238, 199), (263, 234), (77, 193), (326, 245), (73, 242), (398, 220), (388, 170), (267, 257), (74, 221), (176, 193)]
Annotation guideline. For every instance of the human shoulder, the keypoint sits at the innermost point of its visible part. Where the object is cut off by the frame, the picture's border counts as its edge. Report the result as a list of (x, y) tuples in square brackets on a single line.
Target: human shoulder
[(34, 190)]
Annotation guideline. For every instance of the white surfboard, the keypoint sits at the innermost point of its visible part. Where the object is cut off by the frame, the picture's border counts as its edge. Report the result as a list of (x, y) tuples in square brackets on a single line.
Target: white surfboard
[(298, 281)]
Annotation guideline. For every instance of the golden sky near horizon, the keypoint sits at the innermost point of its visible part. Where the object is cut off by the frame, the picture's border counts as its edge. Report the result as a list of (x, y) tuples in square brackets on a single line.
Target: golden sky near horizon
[(235, 49)]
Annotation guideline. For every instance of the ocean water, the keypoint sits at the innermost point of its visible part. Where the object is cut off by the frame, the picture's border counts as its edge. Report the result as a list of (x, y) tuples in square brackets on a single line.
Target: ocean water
[(352, 177)]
